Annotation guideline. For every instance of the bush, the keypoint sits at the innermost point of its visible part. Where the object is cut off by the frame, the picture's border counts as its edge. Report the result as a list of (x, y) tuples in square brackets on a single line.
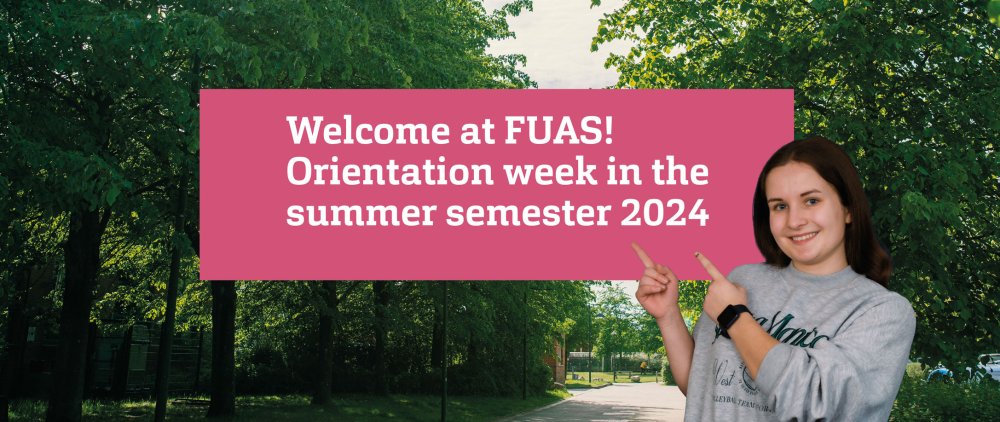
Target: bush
[(498, 380), (264, 370), (919, 400), (668, 377)]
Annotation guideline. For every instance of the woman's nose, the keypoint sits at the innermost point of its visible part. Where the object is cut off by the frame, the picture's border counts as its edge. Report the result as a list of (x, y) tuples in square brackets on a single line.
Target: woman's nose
[(796, 217)]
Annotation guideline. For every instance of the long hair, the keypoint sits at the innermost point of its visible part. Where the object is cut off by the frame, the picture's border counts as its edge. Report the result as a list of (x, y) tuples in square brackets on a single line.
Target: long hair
[(864, 254)]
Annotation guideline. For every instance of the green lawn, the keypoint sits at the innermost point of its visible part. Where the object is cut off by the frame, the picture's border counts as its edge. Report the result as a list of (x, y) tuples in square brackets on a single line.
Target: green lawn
[(602, 378), (572, 384), (297, 408)]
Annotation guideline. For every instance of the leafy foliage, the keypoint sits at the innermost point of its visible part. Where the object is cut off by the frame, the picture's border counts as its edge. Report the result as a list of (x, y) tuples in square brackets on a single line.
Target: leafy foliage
[(919, 400), (100, 119), (910, 90), (488, 324)]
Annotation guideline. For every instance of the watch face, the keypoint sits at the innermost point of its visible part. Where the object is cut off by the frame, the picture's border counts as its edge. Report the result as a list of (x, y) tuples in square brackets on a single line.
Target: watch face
[(731, 313), (727, 316)]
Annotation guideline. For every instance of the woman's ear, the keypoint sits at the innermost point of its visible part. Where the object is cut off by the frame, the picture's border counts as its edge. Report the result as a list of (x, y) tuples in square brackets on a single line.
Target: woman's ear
[(847, 216)]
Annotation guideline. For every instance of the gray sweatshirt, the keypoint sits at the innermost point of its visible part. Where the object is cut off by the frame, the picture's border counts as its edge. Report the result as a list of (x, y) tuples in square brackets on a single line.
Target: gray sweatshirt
[(844, 345)]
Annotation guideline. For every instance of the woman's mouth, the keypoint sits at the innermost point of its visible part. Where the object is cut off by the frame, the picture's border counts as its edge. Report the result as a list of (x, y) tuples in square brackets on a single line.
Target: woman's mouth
[(800, 239)]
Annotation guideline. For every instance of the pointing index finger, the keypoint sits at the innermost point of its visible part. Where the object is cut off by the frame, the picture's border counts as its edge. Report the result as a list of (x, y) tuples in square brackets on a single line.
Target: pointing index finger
[(709, 266), (646, 260)]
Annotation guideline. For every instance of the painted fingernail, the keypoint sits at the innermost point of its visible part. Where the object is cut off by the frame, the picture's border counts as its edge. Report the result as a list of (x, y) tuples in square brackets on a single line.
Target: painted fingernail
[(696, 254)]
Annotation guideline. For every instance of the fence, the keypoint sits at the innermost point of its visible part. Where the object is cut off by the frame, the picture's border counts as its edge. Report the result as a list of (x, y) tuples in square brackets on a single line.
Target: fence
[(120, 362), (579, 361)]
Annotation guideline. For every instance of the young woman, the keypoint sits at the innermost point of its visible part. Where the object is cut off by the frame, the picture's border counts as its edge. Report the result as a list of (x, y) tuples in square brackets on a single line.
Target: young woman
[(812, 333)]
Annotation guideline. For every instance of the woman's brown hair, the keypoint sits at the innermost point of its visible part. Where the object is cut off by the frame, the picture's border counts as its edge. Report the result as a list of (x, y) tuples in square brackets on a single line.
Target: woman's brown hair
[(864, 254)]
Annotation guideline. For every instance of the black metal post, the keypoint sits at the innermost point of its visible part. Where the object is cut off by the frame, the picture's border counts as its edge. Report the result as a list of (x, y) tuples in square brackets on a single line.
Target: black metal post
[(614, 371), (444, 356), (197, 364), (590, 346), (524, 351)]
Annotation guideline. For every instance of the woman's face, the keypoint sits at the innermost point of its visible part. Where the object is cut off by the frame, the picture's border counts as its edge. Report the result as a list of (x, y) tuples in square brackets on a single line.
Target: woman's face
[(807, 218)]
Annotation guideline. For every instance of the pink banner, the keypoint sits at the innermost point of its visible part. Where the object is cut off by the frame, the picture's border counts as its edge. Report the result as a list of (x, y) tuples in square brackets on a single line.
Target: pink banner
[(480, 184)]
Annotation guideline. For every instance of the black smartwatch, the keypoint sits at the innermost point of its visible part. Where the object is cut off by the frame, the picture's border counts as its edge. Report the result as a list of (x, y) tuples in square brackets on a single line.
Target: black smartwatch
[(728, 317)]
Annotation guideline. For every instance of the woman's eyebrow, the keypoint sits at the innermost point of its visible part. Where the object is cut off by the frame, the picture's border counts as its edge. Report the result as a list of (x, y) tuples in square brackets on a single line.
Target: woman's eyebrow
[(812, 191)]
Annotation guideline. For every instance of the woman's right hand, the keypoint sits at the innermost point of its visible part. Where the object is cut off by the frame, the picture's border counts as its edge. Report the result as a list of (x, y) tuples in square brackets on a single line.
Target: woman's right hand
[(657, 292)]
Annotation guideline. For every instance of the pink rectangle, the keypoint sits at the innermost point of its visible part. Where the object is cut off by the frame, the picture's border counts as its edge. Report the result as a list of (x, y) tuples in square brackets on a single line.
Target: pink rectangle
[(247, 148)]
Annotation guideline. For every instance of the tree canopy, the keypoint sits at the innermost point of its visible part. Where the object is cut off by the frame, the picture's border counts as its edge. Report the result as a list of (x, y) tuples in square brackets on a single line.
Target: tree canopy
[(99, 127), (909, 89)]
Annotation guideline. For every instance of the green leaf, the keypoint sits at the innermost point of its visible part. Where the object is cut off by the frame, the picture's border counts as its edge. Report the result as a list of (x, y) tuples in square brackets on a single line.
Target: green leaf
[(113, 192)]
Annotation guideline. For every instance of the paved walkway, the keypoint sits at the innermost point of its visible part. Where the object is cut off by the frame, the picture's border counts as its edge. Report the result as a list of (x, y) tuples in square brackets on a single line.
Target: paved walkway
[(619, 402)]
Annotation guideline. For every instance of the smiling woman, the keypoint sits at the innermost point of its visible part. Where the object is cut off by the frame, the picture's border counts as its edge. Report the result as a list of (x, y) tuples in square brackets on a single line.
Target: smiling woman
[(793, 338), (807, 218), (806, 176)]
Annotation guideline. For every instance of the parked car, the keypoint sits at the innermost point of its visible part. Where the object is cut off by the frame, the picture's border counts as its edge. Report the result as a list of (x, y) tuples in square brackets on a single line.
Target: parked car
[(988, 363), (991, 363), (939, 374)]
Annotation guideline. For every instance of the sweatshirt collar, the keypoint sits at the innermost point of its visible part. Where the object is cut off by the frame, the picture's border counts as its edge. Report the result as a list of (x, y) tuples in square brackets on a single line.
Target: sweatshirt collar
[(822, 282)]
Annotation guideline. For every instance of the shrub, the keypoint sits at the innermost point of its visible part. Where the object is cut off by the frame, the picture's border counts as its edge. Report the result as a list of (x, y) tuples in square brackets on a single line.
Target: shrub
[(919, 400), (668, 377)]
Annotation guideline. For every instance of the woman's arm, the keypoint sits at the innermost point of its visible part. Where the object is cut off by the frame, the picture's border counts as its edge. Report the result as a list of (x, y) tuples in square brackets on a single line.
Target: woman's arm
[(658, 294), (751, 341), (853, 376), (679, 346)]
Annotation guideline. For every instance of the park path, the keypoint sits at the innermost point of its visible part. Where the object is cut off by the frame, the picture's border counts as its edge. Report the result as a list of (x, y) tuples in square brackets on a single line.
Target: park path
[(619, 402)]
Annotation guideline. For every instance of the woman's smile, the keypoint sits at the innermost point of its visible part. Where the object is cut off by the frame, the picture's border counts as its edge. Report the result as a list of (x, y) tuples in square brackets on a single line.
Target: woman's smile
[(802, 239)]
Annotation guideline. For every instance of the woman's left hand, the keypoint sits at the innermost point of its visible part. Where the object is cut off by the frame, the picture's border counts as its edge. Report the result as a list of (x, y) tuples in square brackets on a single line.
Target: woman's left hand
[(722, 292)]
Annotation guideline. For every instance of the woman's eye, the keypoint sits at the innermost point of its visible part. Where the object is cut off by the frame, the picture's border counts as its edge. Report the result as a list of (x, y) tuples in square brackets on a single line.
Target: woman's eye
[(812, 201), (778, 207)]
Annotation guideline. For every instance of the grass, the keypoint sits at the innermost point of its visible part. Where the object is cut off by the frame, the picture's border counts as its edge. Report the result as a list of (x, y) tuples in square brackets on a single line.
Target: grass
[(575, 384), (605, 378), (917, 401), (297, 408)]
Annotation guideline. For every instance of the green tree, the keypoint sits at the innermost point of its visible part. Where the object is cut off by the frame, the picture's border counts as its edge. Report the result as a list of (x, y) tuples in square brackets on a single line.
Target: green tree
[(82, 127), (99, 132), (909, 88), (622, 329), (691, 297)]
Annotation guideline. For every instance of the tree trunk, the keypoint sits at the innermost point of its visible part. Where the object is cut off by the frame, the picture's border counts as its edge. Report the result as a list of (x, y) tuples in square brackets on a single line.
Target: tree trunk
[(119, 378), (324, 378), (17, 335), (223, 400), (162, 386), (380, 290), (82, 255), (437, 335), (90, 370), (341, 380)]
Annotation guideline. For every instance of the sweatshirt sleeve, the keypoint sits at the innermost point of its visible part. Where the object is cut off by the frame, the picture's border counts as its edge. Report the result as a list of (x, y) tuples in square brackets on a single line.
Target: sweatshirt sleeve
[(853, 376)]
